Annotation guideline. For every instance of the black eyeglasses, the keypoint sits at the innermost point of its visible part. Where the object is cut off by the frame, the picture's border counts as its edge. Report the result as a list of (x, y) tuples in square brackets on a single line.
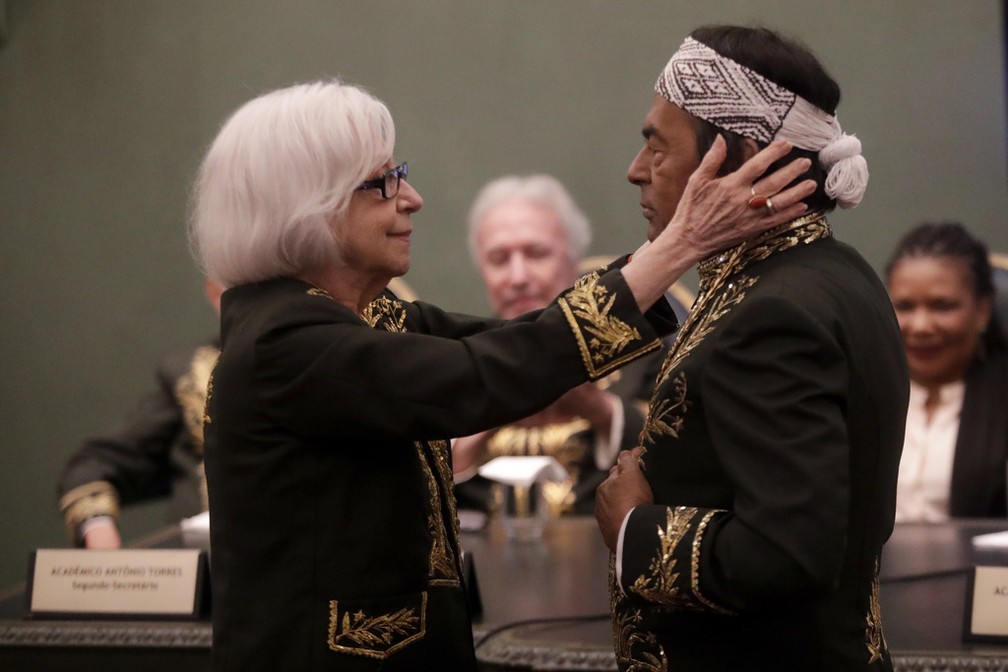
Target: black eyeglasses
[(388, 182)]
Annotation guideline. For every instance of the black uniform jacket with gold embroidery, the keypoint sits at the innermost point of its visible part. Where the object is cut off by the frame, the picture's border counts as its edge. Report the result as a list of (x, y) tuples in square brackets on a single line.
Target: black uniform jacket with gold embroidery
[(334, 535), (772, 448), (156, 452)]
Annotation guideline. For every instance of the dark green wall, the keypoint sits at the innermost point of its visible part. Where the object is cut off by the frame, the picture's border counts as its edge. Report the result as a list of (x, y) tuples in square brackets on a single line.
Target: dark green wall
[(106, 105)]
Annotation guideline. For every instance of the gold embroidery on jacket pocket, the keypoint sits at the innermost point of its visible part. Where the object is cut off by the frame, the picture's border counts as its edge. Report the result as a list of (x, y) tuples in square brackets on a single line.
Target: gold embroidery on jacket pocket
[(375, 635)]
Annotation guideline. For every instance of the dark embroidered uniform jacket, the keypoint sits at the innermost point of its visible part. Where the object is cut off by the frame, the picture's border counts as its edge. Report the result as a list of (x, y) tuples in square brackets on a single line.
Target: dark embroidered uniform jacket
[(334, 535), (772, 448), (981, 452), (157, 452)]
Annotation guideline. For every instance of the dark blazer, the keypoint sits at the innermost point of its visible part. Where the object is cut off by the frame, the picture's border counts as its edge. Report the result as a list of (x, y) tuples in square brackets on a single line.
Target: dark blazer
[(981, 452), (334, 534), (156, 452), (772, 448)]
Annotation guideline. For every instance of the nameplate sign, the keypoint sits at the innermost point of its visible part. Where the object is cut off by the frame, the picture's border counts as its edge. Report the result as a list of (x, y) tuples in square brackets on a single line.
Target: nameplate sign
[(127, 583), (986, 613)]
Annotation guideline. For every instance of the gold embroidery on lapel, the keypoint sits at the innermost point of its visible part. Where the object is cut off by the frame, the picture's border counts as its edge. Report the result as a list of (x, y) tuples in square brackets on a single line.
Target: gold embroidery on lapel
[(666, 414), (637, 649), (443, 569), (441, 450), (874, 638), (694, 332), (722, 287), (191, 392), (601, 337), (378, 635)]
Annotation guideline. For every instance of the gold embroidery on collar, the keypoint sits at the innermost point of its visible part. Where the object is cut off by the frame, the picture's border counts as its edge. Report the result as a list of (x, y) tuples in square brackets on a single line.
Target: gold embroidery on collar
[(375, 636), (637, 649), (601, 337), (803, 230), (385, 312), (874, 638)]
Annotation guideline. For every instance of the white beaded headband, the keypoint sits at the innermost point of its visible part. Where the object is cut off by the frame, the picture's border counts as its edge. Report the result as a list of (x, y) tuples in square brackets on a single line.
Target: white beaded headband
[(737, 99)]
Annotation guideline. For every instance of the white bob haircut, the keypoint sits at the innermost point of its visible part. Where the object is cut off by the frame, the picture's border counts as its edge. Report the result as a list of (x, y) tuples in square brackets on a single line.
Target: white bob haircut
[(282, 167), (542, 190)]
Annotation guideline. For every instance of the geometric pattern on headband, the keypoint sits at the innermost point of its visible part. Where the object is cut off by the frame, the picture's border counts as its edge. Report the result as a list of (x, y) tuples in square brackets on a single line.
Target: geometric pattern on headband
[(724, 92)]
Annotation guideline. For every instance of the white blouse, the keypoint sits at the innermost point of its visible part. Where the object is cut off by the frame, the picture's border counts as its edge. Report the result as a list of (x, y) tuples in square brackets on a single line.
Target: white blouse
[(925, 471)]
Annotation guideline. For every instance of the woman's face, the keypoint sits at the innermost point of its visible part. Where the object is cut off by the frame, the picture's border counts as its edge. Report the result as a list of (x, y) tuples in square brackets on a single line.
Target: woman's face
[(373, 234), (941, 317)]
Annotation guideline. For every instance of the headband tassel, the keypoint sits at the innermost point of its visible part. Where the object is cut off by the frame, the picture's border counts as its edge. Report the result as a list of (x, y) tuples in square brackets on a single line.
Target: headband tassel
[(847, 170)]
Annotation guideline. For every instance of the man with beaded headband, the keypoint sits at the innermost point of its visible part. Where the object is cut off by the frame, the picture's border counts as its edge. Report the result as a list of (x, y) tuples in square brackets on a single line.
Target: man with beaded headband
[(746, 530)]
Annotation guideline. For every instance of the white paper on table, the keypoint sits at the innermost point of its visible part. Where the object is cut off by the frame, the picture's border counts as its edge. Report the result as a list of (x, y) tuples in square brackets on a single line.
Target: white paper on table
[(991, 540), (523, 470), (196, 530)]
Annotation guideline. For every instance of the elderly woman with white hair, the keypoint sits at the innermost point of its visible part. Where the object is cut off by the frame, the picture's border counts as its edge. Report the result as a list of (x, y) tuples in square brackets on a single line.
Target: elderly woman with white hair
[(333, 526)]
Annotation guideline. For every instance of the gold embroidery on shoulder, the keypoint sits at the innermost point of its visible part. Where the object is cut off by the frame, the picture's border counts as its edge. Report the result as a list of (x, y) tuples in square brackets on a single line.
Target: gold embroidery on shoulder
[(375, 636), (601, 336), (874, 638), (387, 313), (637, 650)]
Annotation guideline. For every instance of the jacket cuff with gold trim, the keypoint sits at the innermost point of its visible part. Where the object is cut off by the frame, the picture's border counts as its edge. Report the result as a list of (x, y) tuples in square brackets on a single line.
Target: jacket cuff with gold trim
[(97, 498), (609, 329), (662, 556)]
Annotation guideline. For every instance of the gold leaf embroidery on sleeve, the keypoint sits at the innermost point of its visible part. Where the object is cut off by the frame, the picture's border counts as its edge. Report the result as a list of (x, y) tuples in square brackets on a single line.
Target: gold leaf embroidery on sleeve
[(874, 638), (375, 636), (590, 302), (695, 564), (659, 584)]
